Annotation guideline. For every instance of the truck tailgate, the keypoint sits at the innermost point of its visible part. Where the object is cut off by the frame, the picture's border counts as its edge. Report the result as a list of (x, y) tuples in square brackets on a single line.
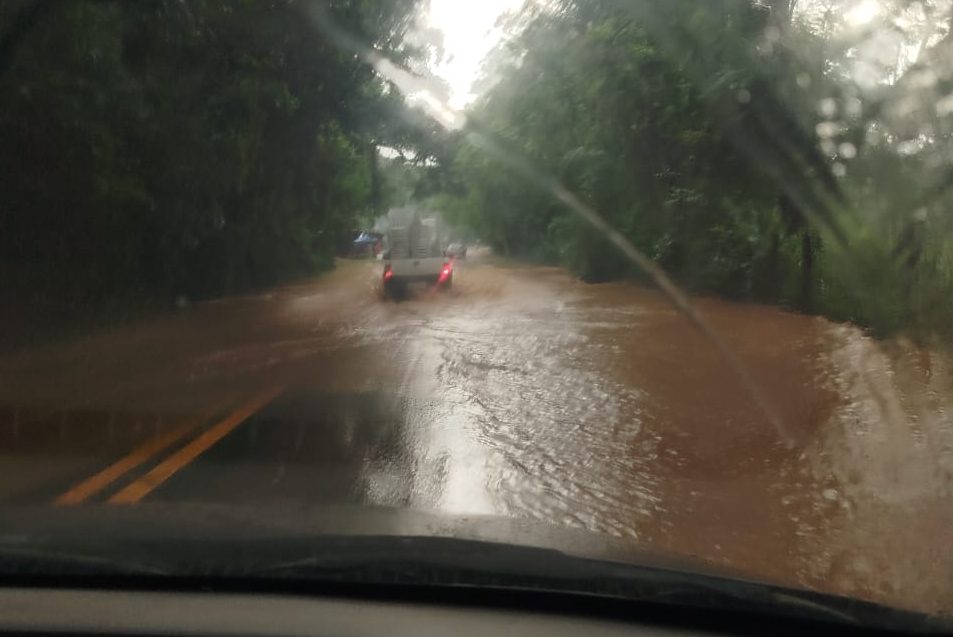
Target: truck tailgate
[(416, 267)]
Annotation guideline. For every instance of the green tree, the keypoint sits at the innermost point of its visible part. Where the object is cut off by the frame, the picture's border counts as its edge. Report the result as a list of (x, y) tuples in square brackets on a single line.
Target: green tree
[(165, 148), (743, 146)]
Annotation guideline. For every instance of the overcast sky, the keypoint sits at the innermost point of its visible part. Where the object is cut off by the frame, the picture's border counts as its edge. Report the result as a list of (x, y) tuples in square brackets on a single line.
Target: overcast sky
[(469, 33)]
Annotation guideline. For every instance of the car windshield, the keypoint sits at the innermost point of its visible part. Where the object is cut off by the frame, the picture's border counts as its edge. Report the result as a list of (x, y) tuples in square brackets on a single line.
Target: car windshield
[(675, 277)]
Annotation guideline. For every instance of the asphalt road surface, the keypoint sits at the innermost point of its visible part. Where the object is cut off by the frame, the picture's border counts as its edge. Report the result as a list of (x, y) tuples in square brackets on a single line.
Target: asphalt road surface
[(522, 393)]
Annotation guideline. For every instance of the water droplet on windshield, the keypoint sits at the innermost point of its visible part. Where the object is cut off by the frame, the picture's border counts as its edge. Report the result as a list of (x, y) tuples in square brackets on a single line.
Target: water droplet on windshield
[(827, 129), (847, 150)]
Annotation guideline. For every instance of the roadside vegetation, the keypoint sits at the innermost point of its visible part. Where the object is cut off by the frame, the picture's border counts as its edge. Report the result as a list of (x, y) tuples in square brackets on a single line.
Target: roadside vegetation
[(758, 151), (167, 150), (776, 151)]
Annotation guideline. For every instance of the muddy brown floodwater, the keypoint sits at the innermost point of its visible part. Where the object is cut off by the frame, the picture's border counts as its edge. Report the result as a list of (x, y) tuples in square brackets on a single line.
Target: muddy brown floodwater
[(592, 406)]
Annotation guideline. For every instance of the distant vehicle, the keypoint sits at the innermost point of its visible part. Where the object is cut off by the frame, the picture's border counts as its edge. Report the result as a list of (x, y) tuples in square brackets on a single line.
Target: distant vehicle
[(456, 251), (413, 252), (367, 244)]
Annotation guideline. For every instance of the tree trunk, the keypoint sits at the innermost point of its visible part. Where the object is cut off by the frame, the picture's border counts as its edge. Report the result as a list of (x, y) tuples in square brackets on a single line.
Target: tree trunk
[(807, 270), (375, 175), (769, 283)]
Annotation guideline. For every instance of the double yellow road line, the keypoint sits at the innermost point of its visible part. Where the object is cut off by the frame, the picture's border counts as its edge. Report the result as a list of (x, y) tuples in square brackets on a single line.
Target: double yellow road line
[(140, 488)]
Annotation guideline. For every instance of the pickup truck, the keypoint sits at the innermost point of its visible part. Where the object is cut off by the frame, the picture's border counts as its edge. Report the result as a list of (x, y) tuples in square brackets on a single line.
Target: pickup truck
[(413, 252)]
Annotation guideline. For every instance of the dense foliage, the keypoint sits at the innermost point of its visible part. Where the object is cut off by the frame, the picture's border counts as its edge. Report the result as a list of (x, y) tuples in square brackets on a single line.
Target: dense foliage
[(735, 145), (164, 149), (170, 149)]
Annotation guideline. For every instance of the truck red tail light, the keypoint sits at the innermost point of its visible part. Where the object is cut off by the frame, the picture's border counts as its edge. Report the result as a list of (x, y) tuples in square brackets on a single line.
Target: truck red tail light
[(388, 273), (445, 273)]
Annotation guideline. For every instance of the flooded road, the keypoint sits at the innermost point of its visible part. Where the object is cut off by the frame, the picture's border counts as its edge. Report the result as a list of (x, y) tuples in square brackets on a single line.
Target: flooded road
[(522, 394)]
